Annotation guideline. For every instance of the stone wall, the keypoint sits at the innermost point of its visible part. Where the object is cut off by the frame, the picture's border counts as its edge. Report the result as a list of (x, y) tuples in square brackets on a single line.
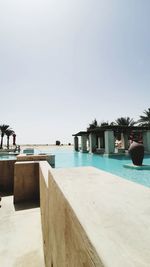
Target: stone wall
[(7, 169), (7, 176), (26, 181), (44, 205)]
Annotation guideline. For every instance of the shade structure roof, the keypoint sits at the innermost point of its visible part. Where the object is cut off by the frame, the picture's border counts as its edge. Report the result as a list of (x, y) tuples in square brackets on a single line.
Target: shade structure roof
[(81, 133), (115, 128)]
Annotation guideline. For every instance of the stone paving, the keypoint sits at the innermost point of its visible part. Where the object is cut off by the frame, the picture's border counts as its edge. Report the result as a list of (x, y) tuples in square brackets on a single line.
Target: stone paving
[(20, 235)]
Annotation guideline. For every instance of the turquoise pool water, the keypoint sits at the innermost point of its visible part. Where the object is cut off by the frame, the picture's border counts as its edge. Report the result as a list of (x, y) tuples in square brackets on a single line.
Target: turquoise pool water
[(7, 157), (112, 164), (65, 158)]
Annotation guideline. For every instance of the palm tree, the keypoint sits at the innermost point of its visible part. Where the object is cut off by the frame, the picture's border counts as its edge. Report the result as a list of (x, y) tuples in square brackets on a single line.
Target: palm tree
[(3, 128), (125, 121), (93, 125), (8, 132), (145, 120), (104, 123)]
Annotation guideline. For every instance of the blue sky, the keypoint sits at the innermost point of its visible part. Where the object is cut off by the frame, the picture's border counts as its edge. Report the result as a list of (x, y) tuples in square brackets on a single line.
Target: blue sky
[(65, 62)]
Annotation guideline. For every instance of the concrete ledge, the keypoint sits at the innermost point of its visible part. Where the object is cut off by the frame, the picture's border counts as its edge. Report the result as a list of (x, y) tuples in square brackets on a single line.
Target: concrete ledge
[(49, 158), (69, 244), (97, 219), (44, 167), (7, 169)]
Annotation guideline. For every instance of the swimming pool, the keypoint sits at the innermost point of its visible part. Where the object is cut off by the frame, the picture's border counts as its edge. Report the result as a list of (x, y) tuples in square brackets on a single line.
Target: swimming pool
[(65, 158), (114, 164)]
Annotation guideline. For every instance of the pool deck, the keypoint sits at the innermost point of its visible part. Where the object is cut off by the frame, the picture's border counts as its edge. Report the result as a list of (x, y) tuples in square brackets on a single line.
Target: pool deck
[(20, 235), (91, 214)]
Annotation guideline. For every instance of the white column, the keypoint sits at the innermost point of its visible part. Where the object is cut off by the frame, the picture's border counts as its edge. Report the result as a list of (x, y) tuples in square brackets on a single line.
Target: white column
[(84, 143), (99, 142), (102, 142), (122, 140), (126, 142), (146, 140), (109, 142), (92, 139), (76, 143), (88, 143)]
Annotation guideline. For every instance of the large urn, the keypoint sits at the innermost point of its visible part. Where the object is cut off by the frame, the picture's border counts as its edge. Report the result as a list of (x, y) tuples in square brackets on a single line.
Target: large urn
[(136, 151)]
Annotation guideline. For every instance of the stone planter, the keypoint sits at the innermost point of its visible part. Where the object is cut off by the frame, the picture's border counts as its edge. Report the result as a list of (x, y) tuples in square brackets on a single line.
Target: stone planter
[(136, 151)]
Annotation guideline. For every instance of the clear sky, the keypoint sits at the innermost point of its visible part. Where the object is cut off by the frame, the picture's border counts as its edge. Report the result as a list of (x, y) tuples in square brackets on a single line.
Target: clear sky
[(65, 62)]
